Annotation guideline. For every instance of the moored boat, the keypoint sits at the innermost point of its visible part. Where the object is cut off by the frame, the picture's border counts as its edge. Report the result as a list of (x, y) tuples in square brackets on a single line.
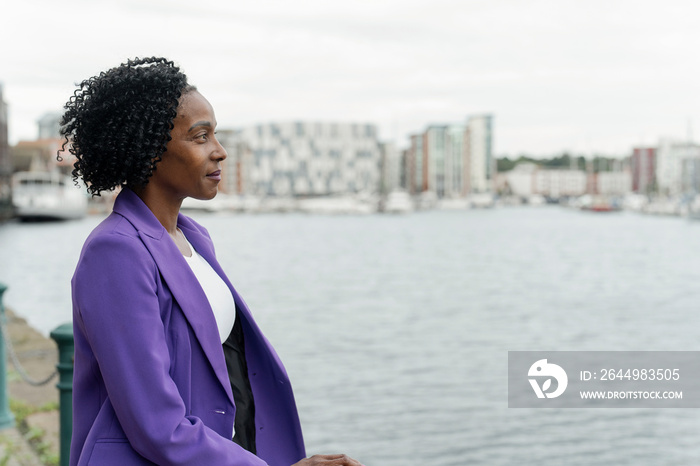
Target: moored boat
[(47, 196), (398, 202)]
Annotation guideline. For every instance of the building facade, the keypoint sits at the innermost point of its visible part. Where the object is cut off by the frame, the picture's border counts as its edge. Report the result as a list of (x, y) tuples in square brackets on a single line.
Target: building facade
[(671, 160), (643, 167), (559, 183), (479, 153), (416, 165), (690, 175), (456, 158), (435, 152), (520, 181), (235, 172), (390, 168), (303, 159), (5, 163), (452, 160), (445, 154), (614, 183)]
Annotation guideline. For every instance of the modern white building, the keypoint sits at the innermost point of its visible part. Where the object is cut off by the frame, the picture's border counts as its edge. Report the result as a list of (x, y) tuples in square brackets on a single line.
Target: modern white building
[(452, 160), (303, 159), (479, 153), (527, 179), (614, 183), (690, 175), (671, 158), (559, 183), (521, 179), (436, 142), (456, 161), (389, 168), (447, 157)]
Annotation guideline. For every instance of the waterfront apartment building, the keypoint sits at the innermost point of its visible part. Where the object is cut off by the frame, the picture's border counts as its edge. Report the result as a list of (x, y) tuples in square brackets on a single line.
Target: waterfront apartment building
[(479, 153), (444, 153), (673, 160), (643, 166), (303, 159), (520, 181), (390, 168), (235, 171), (614, 183), (554, 183), (451, 160), (690, 175), (527, 179), (416, 171), (435, 157), (5, 163)]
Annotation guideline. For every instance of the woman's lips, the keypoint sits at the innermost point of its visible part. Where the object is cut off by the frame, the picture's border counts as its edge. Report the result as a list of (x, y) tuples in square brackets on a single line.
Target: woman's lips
[(215, 175)]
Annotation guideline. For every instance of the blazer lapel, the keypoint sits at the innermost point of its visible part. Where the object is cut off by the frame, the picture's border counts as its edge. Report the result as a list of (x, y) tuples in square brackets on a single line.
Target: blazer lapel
[(180, 279), (204, 247)]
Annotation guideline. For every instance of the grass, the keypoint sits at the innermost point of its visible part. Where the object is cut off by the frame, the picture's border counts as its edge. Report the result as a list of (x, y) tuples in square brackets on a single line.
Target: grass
[(33, 435), (10, 450)]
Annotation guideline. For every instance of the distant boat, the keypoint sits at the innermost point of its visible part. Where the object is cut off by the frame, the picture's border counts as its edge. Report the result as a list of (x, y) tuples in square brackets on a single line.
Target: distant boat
[(693, 208), (482, 200), (537, 200), (398, 202), (335, 205), (598, 204), (47, 196), (427, 200)]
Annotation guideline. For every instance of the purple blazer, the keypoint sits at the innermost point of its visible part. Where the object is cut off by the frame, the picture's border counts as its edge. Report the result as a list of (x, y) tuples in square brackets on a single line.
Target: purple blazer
[(150, 384)]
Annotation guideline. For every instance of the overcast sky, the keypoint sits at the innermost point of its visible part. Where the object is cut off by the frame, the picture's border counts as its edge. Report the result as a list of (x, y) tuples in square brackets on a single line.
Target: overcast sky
[(585, 76)]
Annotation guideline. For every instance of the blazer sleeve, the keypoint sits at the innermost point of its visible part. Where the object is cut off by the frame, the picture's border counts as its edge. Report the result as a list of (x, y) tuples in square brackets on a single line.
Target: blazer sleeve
[(118, 311)]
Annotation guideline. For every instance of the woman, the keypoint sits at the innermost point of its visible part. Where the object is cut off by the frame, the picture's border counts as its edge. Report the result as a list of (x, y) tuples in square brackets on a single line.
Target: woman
[(170, 367)]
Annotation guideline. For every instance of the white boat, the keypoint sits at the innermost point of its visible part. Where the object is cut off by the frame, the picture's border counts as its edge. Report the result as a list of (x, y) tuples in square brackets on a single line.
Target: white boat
[(536, 200), (427, 200), (398, 202), (481, 200), (329, 205), (453, 203), (47, 196)]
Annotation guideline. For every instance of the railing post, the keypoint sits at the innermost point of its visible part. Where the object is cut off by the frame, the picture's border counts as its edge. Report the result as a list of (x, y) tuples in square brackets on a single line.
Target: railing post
[(7, 419), (63, 336)]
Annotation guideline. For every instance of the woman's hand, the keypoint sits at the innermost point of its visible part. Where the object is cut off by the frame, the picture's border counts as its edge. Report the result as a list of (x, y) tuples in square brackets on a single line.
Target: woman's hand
[(328, 460)]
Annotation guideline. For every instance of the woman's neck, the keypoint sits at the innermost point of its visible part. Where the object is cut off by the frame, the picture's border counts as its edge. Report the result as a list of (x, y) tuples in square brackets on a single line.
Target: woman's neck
[(165, 208)]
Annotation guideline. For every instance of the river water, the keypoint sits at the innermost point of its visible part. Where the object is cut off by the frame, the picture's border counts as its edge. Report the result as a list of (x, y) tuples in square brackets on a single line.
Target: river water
[(395, 330)]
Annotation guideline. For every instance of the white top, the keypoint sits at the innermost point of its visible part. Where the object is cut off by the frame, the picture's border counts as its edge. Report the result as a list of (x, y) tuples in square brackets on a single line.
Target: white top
[(218, 293)]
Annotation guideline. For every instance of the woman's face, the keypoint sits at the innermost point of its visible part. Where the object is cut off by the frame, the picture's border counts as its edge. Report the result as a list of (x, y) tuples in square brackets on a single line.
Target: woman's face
[(191, 164)]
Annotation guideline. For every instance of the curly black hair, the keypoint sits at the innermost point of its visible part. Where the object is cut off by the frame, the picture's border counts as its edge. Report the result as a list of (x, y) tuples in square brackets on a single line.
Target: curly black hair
[(118, 124)]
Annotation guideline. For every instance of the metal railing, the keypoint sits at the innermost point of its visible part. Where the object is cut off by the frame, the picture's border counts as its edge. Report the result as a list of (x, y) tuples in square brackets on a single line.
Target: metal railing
[(63, 336), (7, 419)]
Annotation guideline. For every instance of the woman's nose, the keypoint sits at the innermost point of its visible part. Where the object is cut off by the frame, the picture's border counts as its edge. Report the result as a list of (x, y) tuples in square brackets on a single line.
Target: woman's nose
[(220, 152)]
